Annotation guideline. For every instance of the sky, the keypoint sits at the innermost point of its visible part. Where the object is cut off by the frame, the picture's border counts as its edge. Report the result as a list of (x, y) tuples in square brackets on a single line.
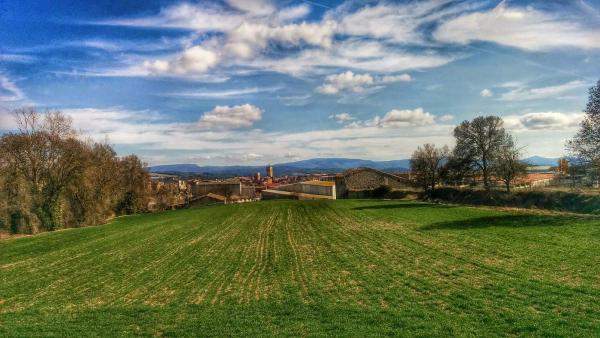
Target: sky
[(259, 81)]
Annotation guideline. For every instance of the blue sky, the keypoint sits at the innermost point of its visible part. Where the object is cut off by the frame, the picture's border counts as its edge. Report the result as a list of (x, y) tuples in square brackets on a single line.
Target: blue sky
[(258, 81)]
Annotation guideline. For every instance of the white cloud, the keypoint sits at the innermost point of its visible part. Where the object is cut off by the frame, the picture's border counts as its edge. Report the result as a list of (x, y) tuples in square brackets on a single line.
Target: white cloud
[(112, 121), (6, 121), (347, 81), (446, 118), (249, 38), (363, 55), (252, 156), (393, 22), (199, 18), (392, 137), (292, 13), (407, 117), (234, 117), (225, 94), (207, 17), (295, 100), (520, 27), (381, 21), (248, 30), (244, 42), (486, 93), (395, 78), (17, 58), (400, 118), (342, 117), (194, 60), (543, 121), (9, 91), (356, 83), (522, 94), (159, 141), (253, 7)]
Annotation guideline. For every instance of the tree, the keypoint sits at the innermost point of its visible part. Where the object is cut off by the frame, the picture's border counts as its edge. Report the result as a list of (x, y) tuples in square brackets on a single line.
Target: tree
[(50, 178), (586, 143), (508, 165), (478, 143), (134, 183), (426, 164), (456, 170), (44, 157)]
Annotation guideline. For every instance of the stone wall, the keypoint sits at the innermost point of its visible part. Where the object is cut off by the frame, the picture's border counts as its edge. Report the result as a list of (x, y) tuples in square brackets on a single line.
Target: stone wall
[(219, 188), (314, 188), (354, 183)]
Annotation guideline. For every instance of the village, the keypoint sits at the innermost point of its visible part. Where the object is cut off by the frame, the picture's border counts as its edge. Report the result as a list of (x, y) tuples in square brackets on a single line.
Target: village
[(173, 192)]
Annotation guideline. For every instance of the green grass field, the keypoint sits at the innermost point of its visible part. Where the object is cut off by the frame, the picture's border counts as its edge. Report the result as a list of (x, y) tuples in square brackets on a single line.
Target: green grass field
[(305, 268)]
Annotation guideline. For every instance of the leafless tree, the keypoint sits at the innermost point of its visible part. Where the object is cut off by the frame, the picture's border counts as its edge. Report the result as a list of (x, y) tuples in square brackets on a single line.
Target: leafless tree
[(51, 178), (478, 143), (46, 157), (508, 165), (426, 164), (586, 143)]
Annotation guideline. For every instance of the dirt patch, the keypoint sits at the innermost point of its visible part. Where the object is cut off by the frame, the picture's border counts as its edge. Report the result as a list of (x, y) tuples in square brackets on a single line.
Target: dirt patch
[(7, 235)]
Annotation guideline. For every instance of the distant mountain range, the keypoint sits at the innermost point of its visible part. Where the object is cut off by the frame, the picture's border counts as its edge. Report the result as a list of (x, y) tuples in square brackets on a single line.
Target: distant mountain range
[(315, 165), (539, 160)]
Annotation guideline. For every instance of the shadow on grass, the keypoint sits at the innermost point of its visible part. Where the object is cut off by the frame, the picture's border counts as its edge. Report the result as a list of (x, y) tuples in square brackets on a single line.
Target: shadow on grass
[(506, 221), (404, 206)]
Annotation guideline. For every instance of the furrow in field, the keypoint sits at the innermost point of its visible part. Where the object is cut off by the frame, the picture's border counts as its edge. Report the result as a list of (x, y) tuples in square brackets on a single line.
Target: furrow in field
[(298, 276)]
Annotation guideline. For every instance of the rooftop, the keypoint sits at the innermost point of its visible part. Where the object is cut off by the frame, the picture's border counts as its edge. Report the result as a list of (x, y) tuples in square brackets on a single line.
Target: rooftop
[(321, 183)]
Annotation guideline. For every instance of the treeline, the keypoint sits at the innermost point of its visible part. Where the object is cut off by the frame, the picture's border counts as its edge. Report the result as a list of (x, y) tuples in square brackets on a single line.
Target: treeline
[(487, 153), (52, 178), (484, 150)]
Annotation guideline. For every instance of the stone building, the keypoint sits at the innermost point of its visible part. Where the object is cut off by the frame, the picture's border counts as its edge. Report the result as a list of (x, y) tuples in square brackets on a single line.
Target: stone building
[(361, 182), (301, 191), (225, 188)]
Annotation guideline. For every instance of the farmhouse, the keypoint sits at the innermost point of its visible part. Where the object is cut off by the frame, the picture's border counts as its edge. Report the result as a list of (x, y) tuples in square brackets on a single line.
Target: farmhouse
[(361, 182), (301, 191), (353, 183), (225, 188)]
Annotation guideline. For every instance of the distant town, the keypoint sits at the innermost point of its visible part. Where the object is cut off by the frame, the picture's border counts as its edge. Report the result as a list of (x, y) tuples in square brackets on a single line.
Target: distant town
[(172, 191)]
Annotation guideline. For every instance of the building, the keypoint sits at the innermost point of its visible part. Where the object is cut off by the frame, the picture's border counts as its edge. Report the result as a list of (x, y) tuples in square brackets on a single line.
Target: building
[(362, 182), (301, 191), (270, 171), (563, 166), (225, 188)]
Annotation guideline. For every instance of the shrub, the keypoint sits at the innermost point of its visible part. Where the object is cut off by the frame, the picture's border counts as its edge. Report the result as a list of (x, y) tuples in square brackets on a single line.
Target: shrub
[(381, 191), (550, 200)]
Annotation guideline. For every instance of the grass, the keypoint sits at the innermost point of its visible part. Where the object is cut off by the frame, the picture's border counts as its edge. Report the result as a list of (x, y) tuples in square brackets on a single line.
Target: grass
[(305, 268)]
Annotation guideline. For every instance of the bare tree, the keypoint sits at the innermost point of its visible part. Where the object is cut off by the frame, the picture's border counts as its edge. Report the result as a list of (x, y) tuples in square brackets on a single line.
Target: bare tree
[(508, 165), (457, 170), (478, 143), (426, 163), (51, 178), (586, 143), (46, 157), (134, 182)]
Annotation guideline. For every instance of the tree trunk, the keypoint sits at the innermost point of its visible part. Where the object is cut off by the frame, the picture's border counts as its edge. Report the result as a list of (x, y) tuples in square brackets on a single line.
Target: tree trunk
[(486, 183)]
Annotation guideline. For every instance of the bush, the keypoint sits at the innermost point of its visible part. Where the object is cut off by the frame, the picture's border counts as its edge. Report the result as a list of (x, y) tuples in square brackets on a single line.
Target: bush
[(550, 200), (381, 191)]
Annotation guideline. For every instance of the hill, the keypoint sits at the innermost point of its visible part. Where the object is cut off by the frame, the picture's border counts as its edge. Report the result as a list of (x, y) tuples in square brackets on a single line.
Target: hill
[(308, 268), (316, 165), (543, 161)]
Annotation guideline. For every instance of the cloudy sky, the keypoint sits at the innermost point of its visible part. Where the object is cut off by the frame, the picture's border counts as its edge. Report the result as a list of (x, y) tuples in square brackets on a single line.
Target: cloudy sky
[(257, 81)]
